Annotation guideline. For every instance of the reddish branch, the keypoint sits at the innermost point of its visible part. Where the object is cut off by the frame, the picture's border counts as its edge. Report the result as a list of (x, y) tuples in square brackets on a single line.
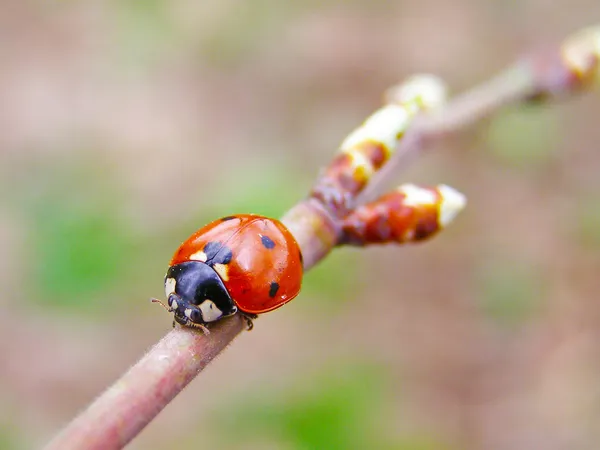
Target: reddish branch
[(122, 411), (545, 75)]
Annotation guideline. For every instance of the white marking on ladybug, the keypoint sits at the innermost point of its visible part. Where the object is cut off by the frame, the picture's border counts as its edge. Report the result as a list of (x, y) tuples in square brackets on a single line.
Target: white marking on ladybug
[(188, 313), (198, 256), (452, 203), (170, 284), (417, 196), (210, 312), (222, 270), (174, 304), (383, 126)]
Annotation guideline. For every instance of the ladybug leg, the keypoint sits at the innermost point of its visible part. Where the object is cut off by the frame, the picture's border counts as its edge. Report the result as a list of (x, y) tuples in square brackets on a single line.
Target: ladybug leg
[(199, 326), (249, 318)]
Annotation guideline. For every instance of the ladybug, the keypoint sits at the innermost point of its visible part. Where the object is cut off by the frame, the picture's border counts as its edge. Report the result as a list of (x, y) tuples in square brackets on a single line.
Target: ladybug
[(246, 263)]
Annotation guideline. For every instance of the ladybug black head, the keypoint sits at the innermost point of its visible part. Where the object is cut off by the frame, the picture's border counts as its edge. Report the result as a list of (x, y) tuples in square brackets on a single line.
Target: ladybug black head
[(196, 294)]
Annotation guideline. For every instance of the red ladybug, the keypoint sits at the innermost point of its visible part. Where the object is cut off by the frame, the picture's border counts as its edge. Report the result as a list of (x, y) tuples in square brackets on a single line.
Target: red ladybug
[(244, 262)]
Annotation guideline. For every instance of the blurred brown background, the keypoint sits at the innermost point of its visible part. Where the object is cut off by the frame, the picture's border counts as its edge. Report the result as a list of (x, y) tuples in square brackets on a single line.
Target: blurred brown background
[(124, 126)]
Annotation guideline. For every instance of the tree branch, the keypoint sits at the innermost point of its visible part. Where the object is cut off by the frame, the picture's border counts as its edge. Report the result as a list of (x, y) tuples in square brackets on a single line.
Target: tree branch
[(122, 411), (541, 76)]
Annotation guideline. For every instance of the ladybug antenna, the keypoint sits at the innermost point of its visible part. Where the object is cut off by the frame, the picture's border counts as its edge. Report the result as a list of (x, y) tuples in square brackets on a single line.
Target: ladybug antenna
[(155, 300)]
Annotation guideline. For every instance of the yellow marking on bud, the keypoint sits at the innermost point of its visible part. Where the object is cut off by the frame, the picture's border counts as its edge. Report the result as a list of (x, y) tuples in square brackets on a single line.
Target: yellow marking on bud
[(198, 256), (417, 196), (419, 92), (222, 270), (360, 163), (452, 202), (581, 53), (383, 127), (387, 125), (447, 200)]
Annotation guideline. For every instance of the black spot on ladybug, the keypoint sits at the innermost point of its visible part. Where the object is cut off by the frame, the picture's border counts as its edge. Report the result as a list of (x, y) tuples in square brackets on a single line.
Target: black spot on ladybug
[(267, 242), (301, 257), (273, 288), (217, 253), (211, 249), (224, 256), (224, 219)]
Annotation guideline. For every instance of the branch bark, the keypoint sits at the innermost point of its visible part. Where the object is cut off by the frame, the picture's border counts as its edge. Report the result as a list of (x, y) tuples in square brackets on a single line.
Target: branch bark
[(124, 409)]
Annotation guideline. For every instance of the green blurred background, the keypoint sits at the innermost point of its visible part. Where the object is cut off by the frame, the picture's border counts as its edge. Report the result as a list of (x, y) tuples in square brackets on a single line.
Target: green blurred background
[(124, 126)]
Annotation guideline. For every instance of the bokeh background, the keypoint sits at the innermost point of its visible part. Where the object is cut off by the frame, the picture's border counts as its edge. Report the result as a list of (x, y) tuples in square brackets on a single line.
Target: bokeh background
[(124, 126)]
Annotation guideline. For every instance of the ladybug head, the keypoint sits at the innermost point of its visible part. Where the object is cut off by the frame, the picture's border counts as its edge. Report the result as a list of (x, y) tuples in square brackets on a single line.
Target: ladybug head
[(196, 294)]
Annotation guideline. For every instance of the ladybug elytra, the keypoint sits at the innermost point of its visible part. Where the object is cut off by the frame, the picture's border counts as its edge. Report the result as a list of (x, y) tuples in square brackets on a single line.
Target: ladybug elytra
[(246, 263)]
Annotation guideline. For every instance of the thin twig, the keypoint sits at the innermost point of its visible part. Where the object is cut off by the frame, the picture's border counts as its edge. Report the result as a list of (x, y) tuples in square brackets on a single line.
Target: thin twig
[(122, 411), (548, 74), (516, 84)]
